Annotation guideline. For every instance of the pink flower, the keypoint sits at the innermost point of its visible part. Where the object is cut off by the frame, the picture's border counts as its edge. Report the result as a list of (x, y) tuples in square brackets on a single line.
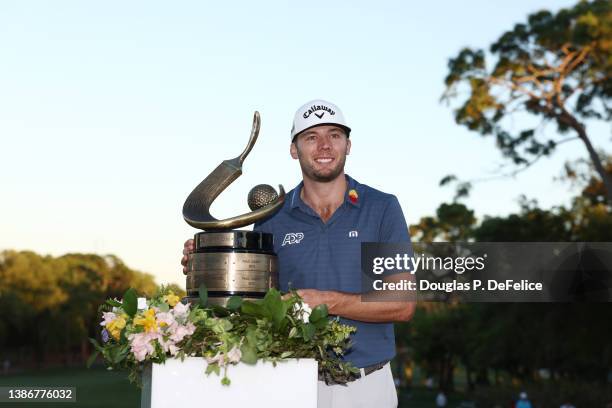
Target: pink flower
[(168, 346), (218, 358), (180, 331), (165, 319), (141, 344)]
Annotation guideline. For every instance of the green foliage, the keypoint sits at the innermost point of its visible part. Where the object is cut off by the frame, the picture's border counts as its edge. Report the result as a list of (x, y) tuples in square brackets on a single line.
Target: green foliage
[(50, 304), (234, 303), (272, 329), (130, 302), (568, 339), (453, 222)]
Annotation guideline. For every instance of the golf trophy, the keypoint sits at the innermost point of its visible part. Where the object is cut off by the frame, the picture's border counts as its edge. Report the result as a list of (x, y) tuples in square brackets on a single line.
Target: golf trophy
[(231, 262), (227, 261)]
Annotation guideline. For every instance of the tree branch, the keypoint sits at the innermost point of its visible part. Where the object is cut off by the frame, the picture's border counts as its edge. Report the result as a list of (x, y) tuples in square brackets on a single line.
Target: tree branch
[(520, 170)]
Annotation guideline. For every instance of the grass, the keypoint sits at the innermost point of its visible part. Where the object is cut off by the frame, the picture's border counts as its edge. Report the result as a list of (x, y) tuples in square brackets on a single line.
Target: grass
[(421, 397), (95, 387)]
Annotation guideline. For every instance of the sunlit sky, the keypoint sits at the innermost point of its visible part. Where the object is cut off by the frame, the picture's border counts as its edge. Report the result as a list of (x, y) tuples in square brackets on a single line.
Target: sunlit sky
[(112, 112)]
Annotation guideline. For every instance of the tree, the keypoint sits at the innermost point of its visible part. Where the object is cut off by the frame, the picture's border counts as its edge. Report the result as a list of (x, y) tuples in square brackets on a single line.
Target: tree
[(454, 222), (50, 305), (555, 67)]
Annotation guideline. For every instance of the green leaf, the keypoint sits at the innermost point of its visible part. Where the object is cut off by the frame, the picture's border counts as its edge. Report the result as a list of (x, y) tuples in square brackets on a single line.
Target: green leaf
[(203, 293), (113, 302), (286, 354), (96, 345), (164, 307), (308, 331), (92, 358), (226, 325), (213, 368), (234, 303), (249, 355), (318, 313), (225, 381), (219, 311), (293, 332), (321, 324), (251, 335), (252, 309), (120, 353), (275, 307), (130, 302)]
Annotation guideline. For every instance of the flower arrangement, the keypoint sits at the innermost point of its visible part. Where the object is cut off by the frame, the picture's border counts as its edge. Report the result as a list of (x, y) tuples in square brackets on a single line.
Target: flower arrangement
[(140, 331)]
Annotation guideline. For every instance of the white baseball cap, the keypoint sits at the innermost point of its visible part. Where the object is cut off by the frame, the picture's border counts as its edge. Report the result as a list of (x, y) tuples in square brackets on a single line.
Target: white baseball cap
[(317, 113)]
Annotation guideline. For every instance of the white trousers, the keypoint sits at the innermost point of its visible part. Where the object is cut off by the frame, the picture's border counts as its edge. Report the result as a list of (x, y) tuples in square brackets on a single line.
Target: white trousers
[(376, 390)]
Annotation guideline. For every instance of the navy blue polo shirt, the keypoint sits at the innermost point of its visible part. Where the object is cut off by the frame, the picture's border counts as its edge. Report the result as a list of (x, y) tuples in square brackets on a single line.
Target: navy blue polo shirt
[(327, 256)]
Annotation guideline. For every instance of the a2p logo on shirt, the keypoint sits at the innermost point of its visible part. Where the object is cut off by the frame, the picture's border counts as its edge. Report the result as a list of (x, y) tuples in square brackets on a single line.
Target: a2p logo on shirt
[(293, 238)]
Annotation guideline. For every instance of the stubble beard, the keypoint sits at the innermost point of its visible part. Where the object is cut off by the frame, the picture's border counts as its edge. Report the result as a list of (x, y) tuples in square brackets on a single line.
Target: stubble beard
[(319, 176)]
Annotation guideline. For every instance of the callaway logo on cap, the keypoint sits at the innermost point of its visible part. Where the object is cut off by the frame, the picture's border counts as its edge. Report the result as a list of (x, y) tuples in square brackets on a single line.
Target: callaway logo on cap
[(316, 113)]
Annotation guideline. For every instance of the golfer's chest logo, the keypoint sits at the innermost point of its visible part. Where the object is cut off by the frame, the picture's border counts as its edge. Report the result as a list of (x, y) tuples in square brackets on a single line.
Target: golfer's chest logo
[(293, 238)]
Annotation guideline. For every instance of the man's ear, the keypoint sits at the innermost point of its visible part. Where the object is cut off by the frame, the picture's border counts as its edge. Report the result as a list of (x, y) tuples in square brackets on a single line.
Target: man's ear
[(348, 146), (293, 151)]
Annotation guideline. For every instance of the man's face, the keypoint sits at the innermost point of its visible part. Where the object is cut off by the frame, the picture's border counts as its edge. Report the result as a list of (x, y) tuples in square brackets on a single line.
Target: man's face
[(322, 152)]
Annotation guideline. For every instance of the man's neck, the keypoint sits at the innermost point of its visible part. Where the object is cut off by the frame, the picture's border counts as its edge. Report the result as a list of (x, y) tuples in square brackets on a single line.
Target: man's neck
[(324, 198)]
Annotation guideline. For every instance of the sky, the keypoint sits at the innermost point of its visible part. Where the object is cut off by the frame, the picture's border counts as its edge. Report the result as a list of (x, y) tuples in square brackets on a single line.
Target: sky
[(112, 112)]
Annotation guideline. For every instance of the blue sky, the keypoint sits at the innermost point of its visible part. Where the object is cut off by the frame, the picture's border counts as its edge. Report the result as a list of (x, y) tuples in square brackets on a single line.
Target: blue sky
[(112, 112)]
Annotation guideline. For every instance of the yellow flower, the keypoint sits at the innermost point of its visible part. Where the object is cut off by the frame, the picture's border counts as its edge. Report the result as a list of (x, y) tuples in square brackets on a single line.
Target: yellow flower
[(115, 327), (148, 321), (171, 299)]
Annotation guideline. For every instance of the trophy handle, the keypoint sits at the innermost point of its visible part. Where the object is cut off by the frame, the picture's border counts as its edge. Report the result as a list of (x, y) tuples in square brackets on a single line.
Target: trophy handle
[(196, 210), (252, 138)]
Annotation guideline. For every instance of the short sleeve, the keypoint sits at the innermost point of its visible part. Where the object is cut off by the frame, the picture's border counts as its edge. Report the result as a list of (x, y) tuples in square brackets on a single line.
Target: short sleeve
[(393, 229), (262, 226), (257, 227), (393, 226)]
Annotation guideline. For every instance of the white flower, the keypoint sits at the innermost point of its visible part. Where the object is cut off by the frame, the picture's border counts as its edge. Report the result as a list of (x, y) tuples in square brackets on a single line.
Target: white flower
[(108, 317), (218, 358), (305, 310), (234, 355), (142, 303), (180, 310)]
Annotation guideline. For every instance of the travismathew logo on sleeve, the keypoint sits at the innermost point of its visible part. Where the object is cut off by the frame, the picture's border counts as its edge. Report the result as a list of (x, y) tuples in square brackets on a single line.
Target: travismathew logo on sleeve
[(315, 108)]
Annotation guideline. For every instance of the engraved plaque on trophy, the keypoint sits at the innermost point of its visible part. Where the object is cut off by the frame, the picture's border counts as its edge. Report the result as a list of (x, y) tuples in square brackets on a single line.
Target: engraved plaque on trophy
[(227, 261)]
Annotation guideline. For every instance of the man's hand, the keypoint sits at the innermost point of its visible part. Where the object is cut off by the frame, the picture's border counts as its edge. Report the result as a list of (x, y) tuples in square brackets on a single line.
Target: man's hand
[(188, 248), (351, 306), (314, 297)]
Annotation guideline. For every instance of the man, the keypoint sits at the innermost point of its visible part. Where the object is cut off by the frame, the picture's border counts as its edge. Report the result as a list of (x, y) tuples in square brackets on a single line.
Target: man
[(317, 237)]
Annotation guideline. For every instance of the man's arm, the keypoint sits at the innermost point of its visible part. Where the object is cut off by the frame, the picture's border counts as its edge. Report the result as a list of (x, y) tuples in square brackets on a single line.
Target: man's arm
[(352, 306), (393, 229)]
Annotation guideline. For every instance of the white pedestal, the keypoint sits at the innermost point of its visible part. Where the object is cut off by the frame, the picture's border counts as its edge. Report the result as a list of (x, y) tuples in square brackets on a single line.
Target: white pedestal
[(183, 384)]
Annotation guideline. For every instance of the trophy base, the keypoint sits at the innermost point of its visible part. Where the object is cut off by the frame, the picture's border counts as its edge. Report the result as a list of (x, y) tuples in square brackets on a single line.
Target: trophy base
[(231, 263), (215, 301)]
